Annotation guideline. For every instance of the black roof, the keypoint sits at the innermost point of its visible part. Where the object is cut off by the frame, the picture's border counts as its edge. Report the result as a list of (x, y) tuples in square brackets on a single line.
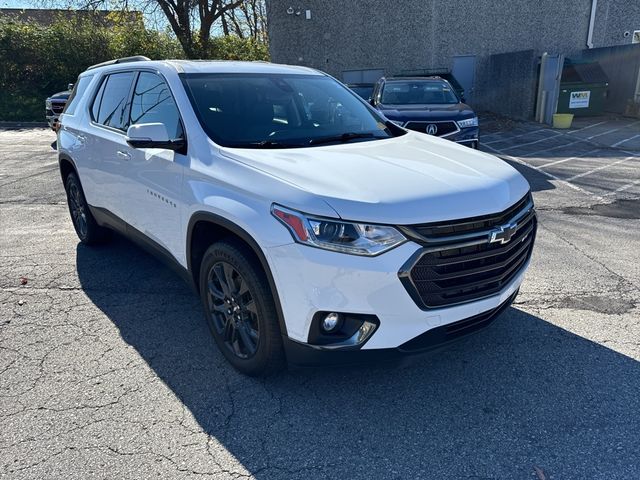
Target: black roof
[(432, 78)]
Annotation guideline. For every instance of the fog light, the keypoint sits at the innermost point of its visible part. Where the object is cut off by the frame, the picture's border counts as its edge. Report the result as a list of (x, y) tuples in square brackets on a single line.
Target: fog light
[(365, 331), (330, 322)]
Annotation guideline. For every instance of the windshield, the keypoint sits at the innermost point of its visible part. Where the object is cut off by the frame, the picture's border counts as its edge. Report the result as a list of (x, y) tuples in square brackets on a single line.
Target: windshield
[(412, 92), (281, 110)]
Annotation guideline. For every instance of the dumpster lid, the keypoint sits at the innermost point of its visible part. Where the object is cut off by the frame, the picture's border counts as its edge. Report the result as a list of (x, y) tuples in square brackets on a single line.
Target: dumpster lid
[(584, 73)]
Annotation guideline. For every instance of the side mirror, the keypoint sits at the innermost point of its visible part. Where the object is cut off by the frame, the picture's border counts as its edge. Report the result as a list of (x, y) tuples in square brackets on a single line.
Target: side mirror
[(70, 86), (152, 135)]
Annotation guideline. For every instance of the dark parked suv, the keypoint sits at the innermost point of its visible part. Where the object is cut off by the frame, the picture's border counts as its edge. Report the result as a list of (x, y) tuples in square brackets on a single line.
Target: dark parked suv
[(428, 105), (54, 105)]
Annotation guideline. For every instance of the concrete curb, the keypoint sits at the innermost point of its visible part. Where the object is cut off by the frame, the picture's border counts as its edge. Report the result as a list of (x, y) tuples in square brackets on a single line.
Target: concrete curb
[(18, 125)]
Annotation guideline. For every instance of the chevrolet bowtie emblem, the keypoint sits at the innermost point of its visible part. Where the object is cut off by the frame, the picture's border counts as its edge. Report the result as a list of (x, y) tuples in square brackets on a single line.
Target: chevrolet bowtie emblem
[(503, 233)]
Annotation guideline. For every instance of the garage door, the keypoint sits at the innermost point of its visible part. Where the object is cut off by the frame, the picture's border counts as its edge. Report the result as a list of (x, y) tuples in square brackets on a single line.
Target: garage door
[(362, 76)]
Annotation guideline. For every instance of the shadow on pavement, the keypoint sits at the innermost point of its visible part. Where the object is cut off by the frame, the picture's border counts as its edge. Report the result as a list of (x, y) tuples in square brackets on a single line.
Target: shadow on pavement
[(538, 180), (522, 394)]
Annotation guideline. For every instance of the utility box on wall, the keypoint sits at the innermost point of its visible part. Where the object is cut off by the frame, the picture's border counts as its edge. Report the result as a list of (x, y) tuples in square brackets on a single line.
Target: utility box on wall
[(583, 89)]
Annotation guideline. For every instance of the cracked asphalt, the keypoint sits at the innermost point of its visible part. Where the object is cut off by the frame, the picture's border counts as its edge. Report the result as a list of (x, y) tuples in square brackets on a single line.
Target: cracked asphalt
[(107, 369)]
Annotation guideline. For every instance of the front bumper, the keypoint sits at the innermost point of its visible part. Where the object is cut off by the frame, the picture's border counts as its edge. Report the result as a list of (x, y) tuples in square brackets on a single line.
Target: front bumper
[(300, 354), (52, 118), (466, 136), (309, 280)]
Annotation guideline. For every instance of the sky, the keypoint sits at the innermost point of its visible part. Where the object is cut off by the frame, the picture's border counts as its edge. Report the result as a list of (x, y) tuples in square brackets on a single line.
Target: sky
[(151, 21), (15, 4), (35, 3)]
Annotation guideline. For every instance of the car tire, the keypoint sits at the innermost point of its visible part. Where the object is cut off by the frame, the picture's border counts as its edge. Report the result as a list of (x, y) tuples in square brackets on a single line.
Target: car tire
[(85, 225), (240, 309)]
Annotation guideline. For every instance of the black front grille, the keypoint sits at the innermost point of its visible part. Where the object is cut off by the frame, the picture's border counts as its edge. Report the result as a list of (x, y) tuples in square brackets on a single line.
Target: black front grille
[(435, 231), (460, 264), (57, 107), (442, 128)]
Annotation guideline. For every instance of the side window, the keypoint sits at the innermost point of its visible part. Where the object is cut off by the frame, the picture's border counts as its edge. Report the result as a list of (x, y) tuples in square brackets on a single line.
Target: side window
[(112, 100), (78, 91), (95, 108), (153, 103)]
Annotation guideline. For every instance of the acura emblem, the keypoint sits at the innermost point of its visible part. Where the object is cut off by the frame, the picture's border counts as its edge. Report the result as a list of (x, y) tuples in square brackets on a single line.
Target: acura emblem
[(503, 233), (432, 129)]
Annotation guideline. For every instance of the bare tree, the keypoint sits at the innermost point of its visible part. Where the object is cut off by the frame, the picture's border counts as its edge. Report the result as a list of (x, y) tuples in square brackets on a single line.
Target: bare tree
[(247, 20), (192, 20)]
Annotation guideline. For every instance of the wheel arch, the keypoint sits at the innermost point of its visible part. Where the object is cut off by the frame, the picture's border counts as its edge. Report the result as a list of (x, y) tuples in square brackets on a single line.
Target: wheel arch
[(67, 166), (204, 229)]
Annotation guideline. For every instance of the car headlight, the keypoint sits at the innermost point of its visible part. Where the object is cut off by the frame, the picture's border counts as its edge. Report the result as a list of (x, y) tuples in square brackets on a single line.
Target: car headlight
[(336, 235), (47, 103), (469, 122)]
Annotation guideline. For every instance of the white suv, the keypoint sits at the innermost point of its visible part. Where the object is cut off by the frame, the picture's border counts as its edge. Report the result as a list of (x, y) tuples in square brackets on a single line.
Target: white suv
[(314, 230)]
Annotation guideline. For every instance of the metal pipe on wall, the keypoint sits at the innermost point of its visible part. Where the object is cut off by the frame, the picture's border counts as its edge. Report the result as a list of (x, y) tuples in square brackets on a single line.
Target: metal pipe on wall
[(592, 21), (539, 100)]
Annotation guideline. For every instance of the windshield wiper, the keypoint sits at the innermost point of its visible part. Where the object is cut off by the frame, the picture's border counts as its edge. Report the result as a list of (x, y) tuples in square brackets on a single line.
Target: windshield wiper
[(345, 137), (268, 144)]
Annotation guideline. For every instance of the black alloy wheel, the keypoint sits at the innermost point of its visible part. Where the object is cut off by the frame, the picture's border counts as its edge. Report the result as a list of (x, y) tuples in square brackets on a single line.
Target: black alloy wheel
[(240, 308), (233, 309), (78, 210), (86, 227)]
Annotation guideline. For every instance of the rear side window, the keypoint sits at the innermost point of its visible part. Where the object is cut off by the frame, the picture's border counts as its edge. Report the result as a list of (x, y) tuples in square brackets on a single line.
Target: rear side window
[(95, 108), (110, 107), (78, 91), (153, 103)]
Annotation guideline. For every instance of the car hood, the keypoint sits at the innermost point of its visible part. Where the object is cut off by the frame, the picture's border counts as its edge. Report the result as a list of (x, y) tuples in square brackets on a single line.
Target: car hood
[(457, 111), (409, 179), (60, 96)]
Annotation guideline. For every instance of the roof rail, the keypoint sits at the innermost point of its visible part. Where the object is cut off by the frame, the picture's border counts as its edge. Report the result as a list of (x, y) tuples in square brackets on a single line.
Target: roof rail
[(424, 75), (135, 58), (423, 72)]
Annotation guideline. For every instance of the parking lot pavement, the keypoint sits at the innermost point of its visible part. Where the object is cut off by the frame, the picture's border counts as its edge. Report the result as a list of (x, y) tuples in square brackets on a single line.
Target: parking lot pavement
[(599, 157), (107, 369)]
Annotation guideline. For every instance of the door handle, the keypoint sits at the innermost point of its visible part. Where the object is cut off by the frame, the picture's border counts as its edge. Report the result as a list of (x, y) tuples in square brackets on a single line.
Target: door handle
[(123, 155)]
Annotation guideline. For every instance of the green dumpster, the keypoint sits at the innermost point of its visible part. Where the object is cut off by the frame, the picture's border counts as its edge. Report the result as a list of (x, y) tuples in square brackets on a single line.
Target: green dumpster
[(583, 89)]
